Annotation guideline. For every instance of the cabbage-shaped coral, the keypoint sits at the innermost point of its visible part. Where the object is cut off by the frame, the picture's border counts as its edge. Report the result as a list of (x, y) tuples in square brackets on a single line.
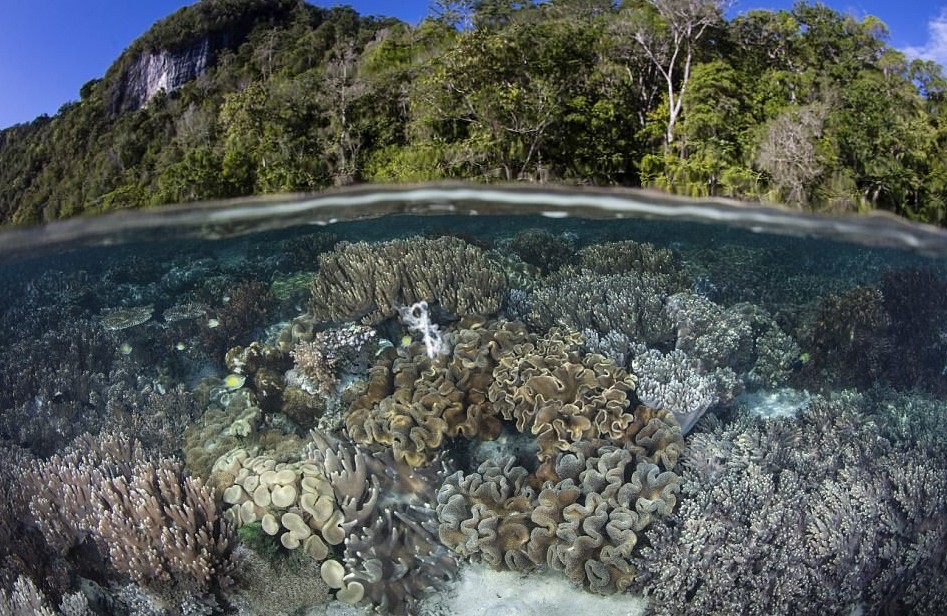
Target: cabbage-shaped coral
[(487, 514), (585, 525), (367, 282), (413, 402), (550, 389)]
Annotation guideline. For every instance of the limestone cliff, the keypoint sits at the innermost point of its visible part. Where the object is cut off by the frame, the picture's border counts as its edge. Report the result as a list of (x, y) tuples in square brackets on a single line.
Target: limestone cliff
[(163, 69), (186, 44)]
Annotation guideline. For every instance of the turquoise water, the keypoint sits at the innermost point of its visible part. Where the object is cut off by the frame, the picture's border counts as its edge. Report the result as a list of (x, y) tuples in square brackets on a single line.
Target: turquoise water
[(382, 398)]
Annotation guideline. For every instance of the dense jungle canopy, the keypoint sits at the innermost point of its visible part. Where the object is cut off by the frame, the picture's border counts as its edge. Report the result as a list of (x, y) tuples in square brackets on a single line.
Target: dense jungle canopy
[(808, 107)]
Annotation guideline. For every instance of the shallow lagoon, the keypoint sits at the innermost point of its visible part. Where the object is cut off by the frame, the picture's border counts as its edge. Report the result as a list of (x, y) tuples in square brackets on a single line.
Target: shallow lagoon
[(384, 398)]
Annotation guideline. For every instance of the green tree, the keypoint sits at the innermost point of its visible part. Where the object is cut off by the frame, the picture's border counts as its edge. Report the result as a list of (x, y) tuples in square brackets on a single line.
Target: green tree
[(669, 34)]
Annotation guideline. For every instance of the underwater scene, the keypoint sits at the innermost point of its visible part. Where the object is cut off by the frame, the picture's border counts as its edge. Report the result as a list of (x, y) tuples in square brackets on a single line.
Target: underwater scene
[(471, 401)]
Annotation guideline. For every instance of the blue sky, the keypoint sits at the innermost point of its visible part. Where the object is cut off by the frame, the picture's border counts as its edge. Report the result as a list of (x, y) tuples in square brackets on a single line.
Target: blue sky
[(49, 49)]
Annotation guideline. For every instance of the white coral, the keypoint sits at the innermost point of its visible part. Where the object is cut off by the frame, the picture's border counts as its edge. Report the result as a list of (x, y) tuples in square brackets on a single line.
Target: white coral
[(417, 318)]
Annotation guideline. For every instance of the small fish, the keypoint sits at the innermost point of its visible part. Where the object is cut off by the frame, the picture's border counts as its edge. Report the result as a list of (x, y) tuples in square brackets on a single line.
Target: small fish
[(125, 349), (180, 346), (212, 323), (406, 341), (234, 381)]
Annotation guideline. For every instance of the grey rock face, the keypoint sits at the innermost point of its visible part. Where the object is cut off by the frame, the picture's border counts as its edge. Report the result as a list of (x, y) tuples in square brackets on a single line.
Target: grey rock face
[(163, 69)]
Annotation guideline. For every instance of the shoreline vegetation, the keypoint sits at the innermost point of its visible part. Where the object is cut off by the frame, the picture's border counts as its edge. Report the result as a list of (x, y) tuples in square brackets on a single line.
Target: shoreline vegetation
[(808, 107)]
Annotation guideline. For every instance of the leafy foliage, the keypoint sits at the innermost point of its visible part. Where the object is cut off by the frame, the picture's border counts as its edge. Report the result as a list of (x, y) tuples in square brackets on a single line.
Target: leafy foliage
[(807, 107)]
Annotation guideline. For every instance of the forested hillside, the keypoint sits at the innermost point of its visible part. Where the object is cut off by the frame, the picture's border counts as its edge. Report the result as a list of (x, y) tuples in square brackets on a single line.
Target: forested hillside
[(808, 107)]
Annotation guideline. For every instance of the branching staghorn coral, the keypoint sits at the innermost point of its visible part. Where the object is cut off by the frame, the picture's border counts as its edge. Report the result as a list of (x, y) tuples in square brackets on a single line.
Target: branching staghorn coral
[(366, 282), (148, 520), (820, 515), (715, 335), (675, 382), (638, 257), (631, 304), (543, 249)]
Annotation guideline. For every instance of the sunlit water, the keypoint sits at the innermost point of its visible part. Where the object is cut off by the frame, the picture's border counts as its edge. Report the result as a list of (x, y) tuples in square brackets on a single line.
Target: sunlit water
[(410, 399)]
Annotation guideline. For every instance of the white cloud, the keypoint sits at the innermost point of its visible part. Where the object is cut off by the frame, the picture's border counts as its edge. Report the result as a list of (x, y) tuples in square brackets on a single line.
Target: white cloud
[(936, 46)]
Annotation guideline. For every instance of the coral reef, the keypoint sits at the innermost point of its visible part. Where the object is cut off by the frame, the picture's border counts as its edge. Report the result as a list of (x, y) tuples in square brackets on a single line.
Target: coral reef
[(25, 599), (244, 309), (277, 587), (74, 379), (231, 419), (148, 521), (444, 430), (413, 402), (634, 257), (586, 525), (892, 333), (821, 514), (366, 282), (777, 357), (391, 548), (916, 352)]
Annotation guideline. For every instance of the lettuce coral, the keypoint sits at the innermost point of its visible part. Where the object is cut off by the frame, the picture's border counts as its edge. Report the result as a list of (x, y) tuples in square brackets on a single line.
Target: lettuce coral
[(586, 525), (553, 391), (414, 402)]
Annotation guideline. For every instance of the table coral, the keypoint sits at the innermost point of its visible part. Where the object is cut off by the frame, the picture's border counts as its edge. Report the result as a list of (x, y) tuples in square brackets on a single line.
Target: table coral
[(123, 318)]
